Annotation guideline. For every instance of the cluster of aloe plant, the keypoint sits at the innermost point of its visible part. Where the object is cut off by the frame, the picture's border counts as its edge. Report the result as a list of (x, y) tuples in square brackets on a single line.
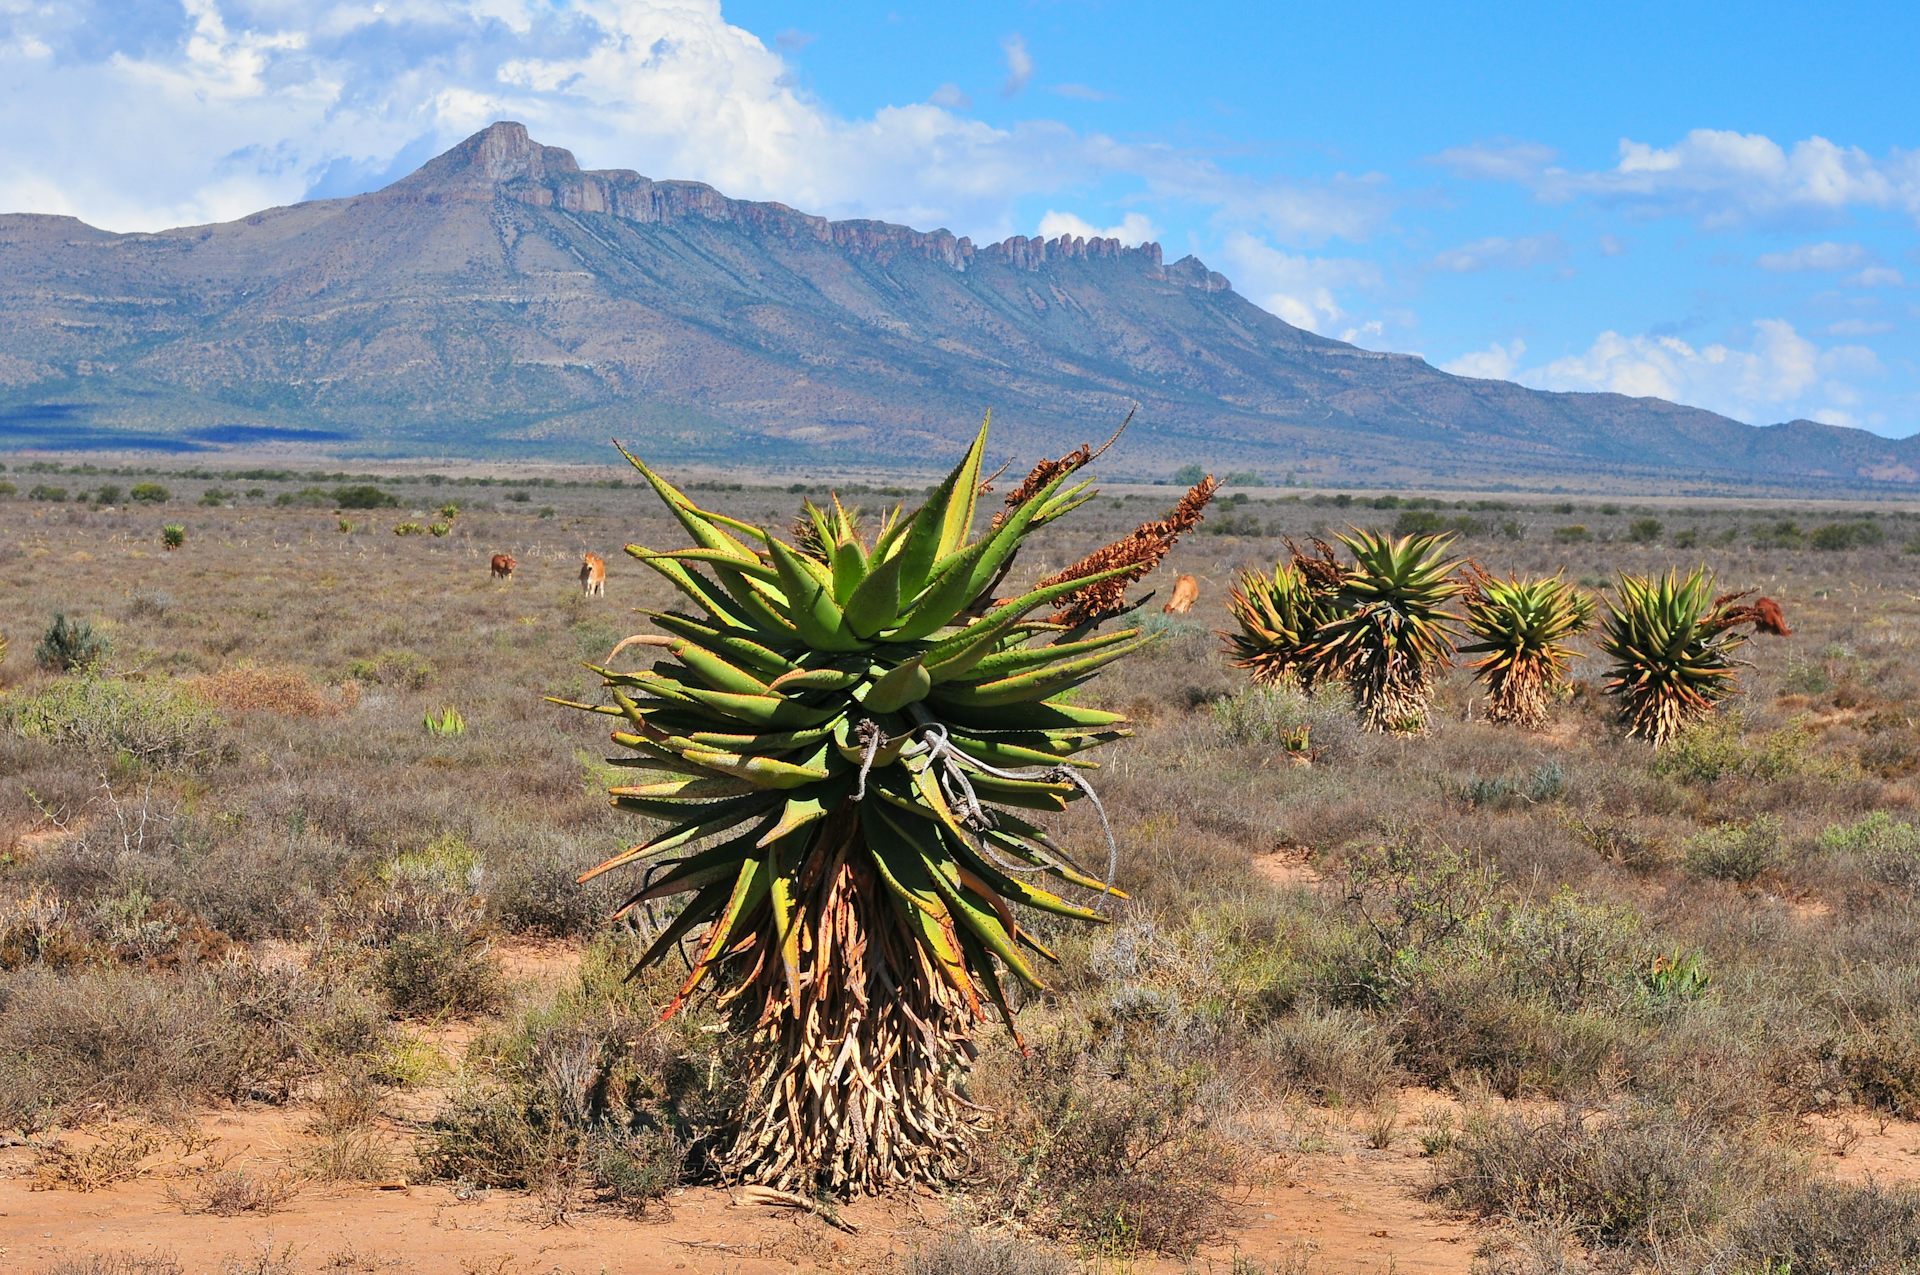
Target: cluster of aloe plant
[(845, 740), (1380, 622), (1377, 623)]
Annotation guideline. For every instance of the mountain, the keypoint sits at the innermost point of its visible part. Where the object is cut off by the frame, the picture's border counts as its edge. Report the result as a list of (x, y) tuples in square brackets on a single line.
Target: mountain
[(502, 302)]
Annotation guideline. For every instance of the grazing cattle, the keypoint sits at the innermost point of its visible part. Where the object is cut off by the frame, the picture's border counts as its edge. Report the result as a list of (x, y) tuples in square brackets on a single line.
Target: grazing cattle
[(1767, 618), (593, 576), (503, 565), (1186, 592)]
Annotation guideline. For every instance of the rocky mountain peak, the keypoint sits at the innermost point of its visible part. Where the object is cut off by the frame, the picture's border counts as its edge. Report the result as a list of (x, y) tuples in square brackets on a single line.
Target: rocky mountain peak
[(499, 153), (502, 161), (503, 298)]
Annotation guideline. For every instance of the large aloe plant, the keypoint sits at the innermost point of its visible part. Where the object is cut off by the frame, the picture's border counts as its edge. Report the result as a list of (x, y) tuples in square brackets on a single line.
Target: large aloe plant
[(1391, 632), (1278, 615), (1521, 629), (849, 740), (1672, 644)]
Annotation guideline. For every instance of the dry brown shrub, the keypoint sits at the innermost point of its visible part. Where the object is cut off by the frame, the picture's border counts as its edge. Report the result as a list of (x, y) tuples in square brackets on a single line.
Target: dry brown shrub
[(119, 1155), (1104, 1141), (117, 1264), (229, 1192), (245, 688)]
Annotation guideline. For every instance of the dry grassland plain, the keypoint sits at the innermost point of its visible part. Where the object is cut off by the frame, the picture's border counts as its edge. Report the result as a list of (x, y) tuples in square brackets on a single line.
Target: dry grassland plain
[(292, 982)]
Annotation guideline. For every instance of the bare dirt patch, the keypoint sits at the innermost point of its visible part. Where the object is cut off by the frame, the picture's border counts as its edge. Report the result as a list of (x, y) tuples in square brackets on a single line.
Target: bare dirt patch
[(1358, 1208)]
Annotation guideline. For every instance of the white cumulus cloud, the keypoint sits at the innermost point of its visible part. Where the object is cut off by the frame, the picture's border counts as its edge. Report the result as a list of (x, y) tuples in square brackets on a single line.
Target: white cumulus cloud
[(1495, 363), (1780, 374), (147, 116), (1134, 228), (1816, 256), (1721, 176), (1299, 289)]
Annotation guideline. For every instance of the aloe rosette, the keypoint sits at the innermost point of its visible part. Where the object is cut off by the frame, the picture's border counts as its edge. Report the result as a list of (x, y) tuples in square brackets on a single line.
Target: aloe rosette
[(1391, 632), (1672, 644), (1277, 616), (850, 742), (1520, 628)]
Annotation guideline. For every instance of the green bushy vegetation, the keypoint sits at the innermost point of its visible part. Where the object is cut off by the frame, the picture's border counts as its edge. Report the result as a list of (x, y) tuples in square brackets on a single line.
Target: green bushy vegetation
[(70, 644), (103, 717)]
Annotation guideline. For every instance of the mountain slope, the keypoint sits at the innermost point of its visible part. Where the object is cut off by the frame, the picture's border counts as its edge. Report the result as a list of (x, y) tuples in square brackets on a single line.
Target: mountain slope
[(502, 301)]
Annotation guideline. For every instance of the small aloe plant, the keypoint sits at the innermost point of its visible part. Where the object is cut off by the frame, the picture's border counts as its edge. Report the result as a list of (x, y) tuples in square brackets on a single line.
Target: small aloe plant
[(1279, 615), (446, 723)]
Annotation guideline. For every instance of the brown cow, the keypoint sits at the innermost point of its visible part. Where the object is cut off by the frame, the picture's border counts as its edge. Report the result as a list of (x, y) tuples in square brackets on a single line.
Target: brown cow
[(1767, 618), (593, 576), (503, 565), (1186, 592)]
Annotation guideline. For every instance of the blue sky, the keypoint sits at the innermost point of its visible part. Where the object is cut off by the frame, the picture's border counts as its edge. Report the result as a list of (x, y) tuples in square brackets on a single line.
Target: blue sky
[(1712, 203)]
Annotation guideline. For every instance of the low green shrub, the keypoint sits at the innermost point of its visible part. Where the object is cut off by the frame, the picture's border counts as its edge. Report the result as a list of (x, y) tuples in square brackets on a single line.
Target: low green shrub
[(69, 645), (1737, 852), (1719, 748), (1886, 849), (439, 972), (424, 914), (158, 723), (586, 1090), (363, 496), (407, 670), (1852, 534), (1100, 1140)]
